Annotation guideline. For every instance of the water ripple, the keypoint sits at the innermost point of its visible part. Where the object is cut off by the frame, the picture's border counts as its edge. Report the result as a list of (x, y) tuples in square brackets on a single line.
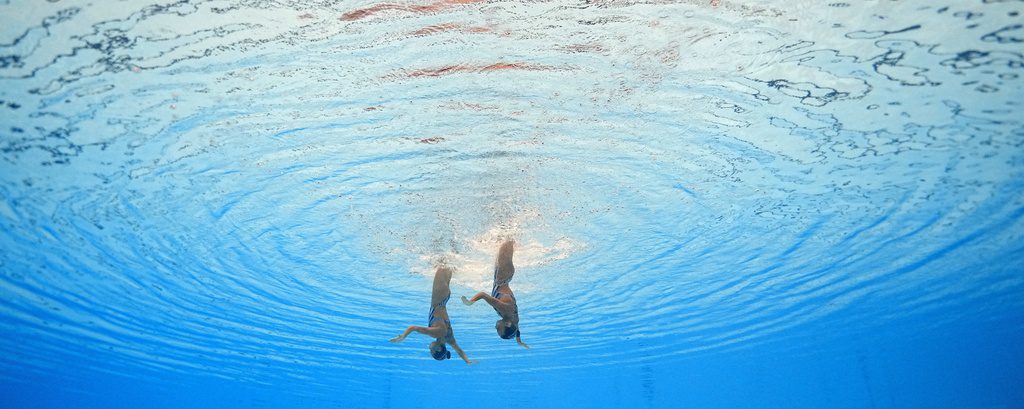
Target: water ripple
[(256, 190)]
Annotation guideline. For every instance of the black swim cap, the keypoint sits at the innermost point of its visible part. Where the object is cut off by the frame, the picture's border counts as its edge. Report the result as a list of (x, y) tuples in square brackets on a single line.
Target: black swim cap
[(441, 354), (510, 332)]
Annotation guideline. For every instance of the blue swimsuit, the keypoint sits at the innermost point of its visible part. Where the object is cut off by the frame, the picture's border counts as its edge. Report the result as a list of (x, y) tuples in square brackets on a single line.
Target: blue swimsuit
[(431, 317), (497, 295)]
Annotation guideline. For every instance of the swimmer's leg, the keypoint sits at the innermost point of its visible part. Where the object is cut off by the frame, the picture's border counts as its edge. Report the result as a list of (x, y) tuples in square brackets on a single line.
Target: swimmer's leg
[(503, 268), (442, 279)]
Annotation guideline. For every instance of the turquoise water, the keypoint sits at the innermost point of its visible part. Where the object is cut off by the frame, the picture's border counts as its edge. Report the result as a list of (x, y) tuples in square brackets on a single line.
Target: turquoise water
[(716, 204)]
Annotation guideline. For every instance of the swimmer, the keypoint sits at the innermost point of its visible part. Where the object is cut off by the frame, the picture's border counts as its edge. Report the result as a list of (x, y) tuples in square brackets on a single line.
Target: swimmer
[(501, 297), (438, 325)]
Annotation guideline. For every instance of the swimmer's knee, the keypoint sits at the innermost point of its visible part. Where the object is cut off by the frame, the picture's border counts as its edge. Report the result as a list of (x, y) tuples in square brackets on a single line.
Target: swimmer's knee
[(443, 273), (505, 253)]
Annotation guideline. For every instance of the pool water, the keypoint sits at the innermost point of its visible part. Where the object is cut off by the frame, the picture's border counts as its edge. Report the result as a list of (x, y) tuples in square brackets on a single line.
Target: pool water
[(237, 203)]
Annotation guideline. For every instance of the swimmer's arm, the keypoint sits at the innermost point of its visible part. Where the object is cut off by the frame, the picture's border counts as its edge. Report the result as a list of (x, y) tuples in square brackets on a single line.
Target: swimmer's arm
[(482, 295), (520, 342), (461, 353), (432, 331)]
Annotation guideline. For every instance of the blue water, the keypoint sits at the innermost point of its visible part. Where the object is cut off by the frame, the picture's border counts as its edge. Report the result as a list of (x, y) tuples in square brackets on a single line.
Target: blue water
[(716, 204)]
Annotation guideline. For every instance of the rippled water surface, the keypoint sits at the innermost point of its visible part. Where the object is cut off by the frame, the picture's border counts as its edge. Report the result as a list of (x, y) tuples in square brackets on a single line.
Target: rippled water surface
[(716, 204)]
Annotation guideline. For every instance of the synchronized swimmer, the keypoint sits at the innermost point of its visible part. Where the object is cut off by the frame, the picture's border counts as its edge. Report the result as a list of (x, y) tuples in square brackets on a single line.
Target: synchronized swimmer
[(438, 324), (501, 298)]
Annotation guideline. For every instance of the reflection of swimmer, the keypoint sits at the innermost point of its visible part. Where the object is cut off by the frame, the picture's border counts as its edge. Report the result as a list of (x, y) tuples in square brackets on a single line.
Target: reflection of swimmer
[(438, 325), (501, 297)]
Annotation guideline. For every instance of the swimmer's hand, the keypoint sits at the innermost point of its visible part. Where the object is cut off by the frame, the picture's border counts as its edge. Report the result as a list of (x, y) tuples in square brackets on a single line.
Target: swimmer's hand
[(404, 334), (432, 331), (458, 350), (471, 362), (467, 301)]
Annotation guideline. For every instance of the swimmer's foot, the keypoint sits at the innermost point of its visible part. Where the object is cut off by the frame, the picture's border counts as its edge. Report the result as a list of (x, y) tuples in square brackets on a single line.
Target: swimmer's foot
[(467, 301)]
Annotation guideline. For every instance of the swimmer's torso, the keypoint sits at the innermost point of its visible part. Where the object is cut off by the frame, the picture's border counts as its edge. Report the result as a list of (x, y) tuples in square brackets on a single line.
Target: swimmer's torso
[(439, 316)]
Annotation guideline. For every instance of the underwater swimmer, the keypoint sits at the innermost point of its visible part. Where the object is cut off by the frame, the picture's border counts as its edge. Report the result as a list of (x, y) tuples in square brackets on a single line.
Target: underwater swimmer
[(438, 324), (501, 297)]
